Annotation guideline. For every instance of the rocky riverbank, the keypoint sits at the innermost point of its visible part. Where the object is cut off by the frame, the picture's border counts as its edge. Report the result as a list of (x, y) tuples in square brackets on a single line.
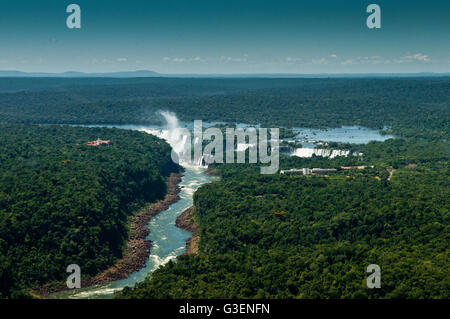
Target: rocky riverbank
[(187, 222), (137, 247)]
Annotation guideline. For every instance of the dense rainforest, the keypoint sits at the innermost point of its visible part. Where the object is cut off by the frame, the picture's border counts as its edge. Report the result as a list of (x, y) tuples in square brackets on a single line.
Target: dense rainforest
[(261, 236), (64, 202), (409, 106), (278, 236)]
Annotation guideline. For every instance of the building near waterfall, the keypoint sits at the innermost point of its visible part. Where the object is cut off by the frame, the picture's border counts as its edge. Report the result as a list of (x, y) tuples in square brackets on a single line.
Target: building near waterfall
[(308, 171), (294, 171), (98, 142)]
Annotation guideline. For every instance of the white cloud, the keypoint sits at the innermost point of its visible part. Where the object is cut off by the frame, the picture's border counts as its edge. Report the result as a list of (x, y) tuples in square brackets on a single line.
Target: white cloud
[(199, 59), (231, 59), (376, 59), (320, 61), (417, 57), (291, 60), (182, 60), (348, 61), (333, 56), (121, 59)]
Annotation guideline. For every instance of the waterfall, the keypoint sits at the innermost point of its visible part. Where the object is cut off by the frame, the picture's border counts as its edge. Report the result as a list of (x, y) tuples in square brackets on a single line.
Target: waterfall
[(203, 161), (179, 138), (175, 135)]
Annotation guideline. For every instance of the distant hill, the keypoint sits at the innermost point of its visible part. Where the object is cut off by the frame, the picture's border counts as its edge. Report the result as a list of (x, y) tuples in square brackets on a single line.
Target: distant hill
[(148, 73), (74, 74)]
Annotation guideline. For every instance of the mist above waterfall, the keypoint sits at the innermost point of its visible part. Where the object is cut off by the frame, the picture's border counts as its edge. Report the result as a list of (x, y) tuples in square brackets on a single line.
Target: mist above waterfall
[(176, 136), (173, 126)]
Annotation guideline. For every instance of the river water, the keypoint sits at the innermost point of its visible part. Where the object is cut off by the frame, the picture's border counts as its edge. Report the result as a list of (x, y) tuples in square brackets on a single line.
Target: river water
[(345, 134)]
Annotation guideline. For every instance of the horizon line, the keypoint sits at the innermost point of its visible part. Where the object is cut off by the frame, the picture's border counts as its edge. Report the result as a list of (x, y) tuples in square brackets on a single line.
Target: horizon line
[(128, 74)]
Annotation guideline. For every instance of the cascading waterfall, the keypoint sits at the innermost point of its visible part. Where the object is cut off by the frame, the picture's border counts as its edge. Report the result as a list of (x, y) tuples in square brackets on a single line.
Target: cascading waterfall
[(174, 135), (177, 137)]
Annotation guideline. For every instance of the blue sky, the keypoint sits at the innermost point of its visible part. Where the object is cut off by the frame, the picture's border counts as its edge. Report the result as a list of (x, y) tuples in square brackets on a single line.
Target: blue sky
[(215, 36)]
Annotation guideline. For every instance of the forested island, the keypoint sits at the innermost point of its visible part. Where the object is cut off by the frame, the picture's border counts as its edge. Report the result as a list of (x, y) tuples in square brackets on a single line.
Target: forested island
[(64, 202)]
